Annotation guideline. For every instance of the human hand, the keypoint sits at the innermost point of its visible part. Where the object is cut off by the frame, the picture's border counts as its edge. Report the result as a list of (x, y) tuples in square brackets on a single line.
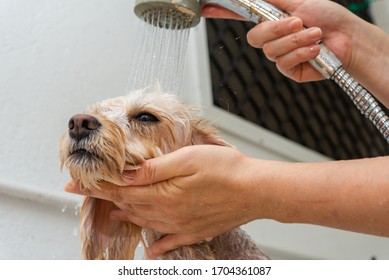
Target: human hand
[(193, 194), (213, 11), (286, 43)]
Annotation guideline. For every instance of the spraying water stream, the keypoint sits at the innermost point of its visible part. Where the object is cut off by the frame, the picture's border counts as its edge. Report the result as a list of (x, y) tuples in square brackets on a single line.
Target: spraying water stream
[(159, 56)]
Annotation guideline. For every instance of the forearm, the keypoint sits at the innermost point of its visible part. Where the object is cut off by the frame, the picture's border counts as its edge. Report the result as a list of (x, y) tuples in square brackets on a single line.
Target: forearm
[(352, 195)]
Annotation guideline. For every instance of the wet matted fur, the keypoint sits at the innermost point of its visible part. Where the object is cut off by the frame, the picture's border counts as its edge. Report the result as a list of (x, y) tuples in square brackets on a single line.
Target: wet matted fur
[(118, 134)]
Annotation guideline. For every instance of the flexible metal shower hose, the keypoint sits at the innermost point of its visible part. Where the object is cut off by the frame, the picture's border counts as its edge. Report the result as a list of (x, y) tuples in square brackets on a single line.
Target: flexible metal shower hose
[(363, 100), (258, 11), (326, 62)]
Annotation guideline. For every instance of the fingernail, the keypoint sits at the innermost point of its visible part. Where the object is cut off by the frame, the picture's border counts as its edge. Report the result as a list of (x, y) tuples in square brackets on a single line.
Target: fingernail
[(314, 48), (70, 187), (295, 24), (314, 33)]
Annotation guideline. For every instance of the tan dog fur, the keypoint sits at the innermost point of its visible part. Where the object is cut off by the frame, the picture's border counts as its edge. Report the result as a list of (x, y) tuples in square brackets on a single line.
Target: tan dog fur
[(122, 142)]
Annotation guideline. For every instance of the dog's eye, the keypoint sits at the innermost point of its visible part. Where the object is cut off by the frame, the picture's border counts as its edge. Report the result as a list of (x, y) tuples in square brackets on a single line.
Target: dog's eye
[(146, 117)]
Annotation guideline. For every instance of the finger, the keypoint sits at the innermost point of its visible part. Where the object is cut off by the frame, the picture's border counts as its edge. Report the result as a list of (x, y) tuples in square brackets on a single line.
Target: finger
[(162, 168), (272, 30), (125, 194), (73, 187), (295, 66), (119, 215), (118, 194), (146, 211), (169, 243), (212, 11), (286, 44), (287, 6)]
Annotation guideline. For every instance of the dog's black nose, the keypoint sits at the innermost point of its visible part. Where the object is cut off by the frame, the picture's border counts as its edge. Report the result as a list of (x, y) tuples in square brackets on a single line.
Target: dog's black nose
[(81, 125)]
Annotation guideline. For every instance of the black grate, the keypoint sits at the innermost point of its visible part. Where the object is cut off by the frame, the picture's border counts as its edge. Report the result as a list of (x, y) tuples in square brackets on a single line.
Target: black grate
[(317, 115)]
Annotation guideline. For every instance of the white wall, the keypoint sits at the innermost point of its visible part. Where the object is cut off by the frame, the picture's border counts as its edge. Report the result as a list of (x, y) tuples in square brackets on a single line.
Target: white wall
[(55, 58), (380, 11)]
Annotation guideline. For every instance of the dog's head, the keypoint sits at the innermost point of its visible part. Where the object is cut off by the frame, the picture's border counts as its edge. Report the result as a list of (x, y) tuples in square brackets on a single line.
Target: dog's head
[(120, 133)]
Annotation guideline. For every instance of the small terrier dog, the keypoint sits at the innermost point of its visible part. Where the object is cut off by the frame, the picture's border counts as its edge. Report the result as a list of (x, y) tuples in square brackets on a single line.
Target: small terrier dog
[(118, 134)]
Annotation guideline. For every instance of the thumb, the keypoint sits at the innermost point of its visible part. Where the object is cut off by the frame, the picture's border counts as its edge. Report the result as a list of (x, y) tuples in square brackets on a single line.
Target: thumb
[(168, 243), (214, 11), (286, 6), (160, 169)]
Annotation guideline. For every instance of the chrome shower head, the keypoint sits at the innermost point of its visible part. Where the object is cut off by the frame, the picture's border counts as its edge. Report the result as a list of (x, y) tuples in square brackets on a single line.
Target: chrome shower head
[(170, 14), (181, 14)]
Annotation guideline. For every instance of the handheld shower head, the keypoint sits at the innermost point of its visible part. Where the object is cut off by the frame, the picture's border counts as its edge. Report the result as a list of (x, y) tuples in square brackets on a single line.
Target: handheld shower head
[(181, 14), (169, 14)]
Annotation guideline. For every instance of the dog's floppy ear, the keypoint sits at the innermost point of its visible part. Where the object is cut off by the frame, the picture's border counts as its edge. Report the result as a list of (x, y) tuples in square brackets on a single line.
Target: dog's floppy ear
[(103, 238), (204, 133)]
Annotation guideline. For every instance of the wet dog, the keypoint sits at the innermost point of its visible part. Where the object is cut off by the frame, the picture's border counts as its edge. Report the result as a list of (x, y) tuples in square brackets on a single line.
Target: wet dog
[(119, 134)]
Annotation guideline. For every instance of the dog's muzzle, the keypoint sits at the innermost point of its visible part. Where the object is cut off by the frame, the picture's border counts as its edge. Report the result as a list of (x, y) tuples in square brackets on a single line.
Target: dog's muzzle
[(82, 125)]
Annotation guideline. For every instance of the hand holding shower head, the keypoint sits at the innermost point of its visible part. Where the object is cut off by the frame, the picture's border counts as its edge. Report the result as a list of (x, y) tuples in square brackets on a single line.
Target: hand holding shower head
[(187, 13)]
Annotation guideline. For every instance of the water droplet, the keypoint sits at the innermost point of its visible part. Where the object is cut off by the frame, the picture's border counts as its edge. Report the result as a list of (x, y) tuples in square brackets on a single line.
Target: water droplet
[(159, 54), (77, 210)]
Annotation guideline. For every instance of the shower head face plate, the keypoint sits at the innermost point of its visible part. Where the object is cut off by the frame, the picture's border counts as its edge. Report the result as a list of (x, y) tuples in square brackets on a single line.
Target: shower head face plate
[(170, 14)]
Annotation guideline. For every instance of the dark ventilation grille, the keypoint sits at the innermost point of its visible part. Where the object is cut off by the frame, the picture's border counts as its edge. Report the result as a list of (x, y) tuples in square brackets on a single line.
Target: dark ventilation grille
[(317, 115)]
